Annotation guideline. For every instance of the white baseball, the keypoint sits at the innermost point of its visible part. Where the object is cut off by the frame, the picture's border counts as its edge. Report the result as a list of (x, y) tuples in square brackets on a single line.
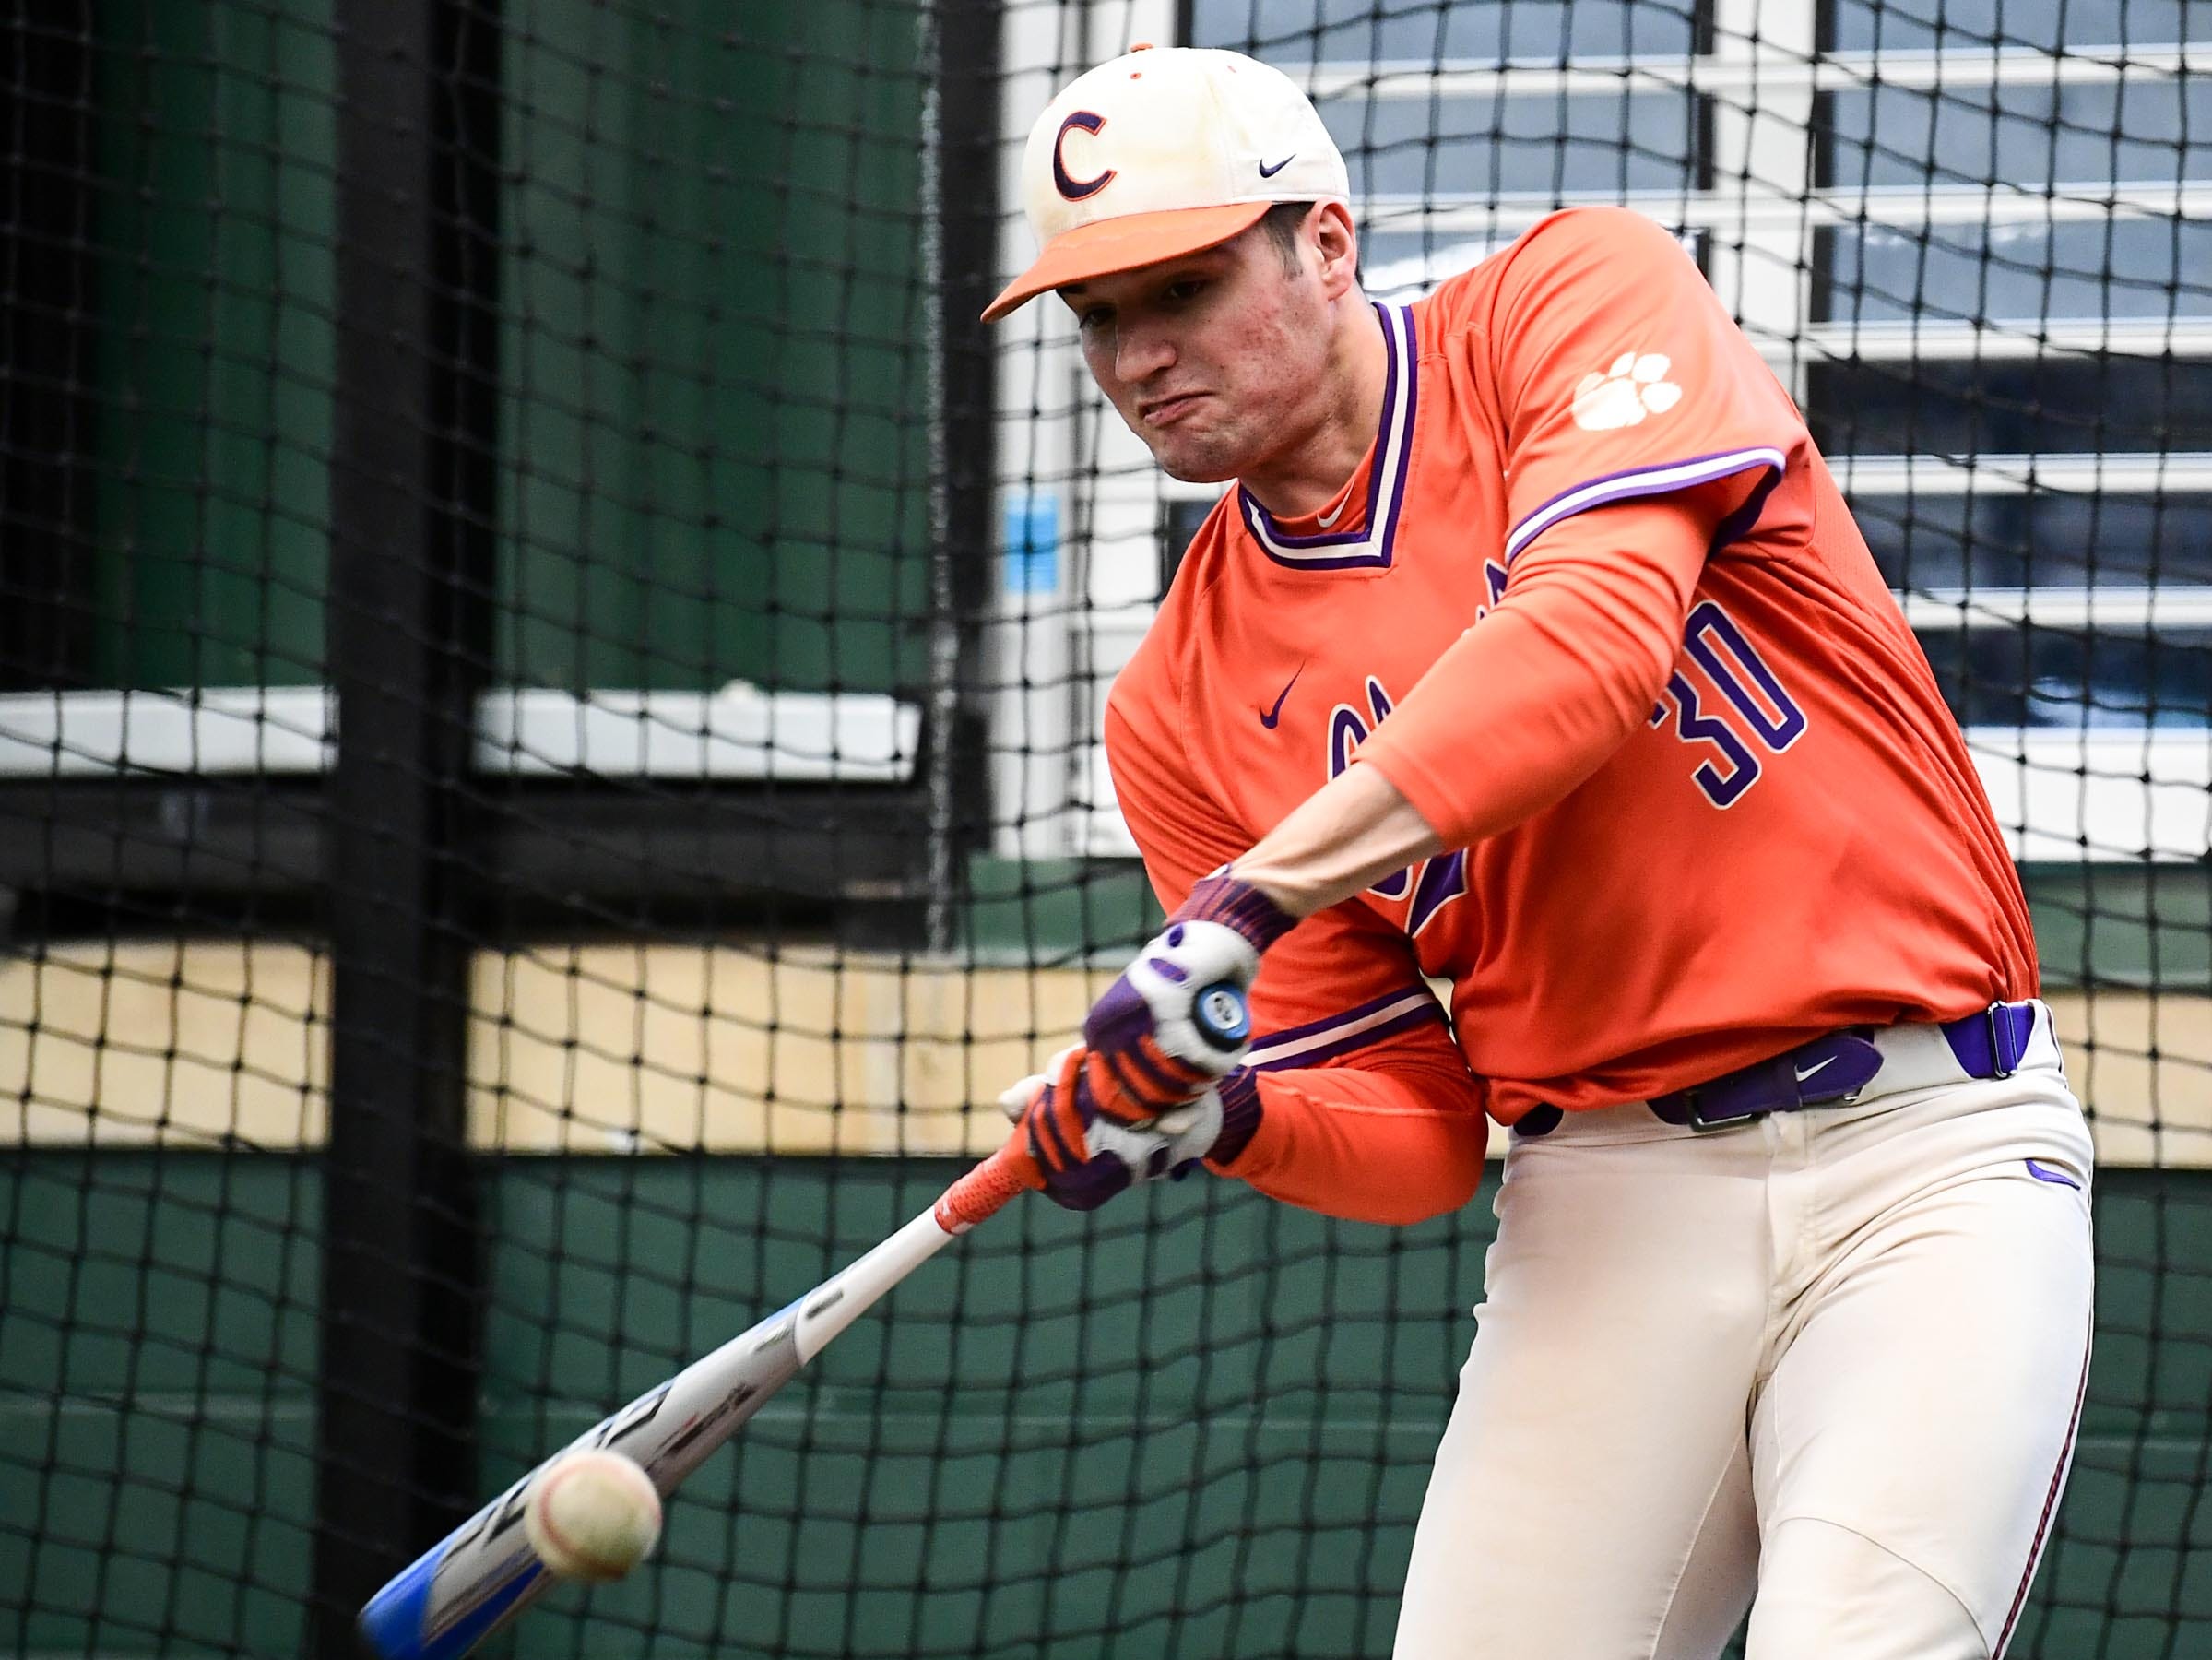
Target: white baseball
[(593, 1517)]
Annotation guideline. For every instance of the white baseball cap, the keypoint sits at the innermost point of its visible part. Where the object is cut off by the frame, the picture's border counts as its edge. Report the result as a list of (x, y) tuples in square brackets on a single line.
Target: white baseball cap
[(1162, 153)]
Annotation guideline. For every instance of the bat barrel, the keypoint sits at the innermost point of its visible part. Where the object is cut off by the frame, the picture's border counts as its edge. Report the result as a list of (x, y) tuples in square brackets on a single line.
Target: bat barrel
[(398, 1623)]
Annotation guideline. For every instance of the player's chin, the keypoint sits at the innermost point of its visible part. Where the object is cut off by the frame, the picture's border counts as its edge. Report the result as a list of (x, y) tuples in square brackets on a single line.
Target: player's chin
[(1196, 458)]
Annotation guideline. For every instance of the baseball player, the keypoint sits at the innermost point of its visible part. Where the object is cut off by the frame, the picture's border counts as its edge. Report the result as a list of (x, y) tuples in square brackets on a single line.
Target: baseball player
[(1533, 650)]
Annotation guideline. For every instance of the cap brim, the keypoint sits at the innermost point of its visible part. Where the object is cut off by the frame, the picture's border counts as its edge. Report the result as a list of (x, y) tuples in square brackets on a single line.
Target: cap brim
[(1105, 246)]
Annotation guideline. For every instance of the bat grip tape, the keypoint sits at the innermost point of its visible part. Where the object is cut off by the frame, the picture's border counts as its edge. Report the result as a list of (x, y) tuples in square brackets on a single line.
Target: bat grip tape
[(978, 1196)]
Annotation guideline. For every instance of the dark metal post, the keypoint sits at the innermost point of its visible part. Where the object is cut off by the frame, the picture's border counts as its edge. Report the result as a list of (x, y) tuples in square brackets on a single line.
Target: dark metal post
[(409, 630), (46, 332), (961, 254)]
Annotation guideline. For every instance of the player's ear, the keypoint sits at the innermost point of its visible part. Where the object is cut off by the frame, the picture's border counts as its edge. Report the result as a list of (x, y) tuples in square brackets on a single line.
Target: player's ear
[(1339, 245)]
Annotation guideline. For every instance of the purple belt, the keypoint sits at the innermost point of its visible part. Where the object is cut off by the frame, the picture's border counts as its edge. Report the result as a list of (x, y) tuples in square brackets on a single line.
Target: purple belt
[(1833, 1069)]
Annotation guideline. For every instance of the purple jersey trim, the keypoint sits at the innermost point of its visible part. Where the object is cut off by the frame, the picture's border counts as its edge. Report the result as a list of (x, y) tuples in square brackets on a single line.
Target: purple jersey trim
[(1646, 481), (1367, 548), (1339, 1034), (1737, 524)]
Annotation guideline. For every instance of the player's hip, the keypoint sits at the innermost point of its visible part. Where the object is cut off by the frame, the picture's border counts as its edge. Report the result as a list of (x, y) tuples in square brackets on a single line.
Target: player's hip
[(1844, 1077)]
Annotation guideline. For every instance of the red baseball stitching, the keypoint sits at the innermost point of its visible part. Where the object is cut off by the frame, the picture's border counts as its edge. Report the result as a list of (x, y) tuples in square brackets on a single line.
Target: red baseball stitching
[(545, 1518)]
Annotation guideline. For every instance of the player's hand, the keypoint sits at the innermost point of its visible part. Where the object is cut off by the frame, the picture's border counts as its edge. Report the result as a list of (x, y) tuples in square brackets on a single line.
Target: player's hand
[(1174, 1023), (1087, 1159)]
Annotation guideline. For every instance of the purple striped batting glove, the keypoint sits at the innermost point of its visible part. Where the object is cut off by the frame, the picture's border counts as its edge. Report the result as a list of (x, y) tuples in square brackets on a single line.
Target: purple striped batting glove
[(1175, 1021), (1087, 1159)]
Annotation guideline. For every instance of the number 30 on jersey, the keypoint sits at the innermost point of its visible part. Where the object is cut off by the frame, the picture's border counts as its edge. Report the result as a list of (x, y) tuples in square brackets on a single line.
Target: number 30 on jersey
[(1749, 691), (1749, 694)]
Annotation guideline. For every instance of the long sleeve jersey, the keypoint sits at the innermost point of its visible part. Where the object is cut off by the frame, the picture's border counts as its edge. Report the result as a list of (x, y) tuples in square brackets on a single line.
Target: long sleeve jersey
[(1595, 606)]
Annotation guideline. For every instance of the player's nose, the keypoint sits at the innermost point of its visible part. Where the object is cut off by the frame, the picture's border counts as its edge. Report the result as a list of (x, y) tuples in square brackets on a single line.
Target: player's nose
[(1142, 350)]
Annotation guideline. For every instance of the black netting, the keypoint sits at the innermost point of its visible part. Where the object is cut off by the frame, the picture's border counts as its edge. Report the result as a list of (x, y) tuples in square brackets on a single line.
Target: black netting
[(550, 681)]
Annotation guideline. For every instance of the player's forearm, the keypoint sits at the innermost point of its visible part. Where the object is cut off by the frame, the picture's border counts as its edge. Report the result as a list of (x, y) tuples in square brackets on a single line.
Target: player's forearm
[(1368, 1144), (1551, 719), (1515, 714), (1470, 781), (1528, 703), (1354, 831)]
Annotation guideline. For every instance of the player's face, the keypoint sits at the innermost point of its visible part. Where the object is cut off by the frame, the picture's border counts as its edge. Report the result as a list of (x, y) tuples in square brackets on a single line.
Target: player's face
[(1217, 361)]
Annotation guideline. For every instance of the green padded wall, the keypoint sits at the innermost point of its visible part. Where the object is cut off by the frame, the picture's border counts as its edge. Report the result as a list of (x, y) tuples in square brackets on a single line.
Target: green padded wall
[(212, 246), (1265, 1424), (158, 1321), (714, 434), (712, 437)]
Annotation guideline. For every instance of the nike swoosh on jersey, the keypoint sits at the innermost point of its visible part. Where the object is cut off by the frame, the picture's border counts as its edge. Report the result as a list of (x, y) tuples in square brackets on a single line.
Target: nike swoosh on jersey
[(1275, 714), (1267, 172)]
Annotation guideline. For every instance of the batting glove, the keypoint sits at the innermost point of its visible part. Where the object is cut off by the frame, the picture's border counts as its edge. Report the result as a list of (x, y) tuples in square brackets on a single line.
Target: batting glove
[(1087, 1159), (1174, 1023)]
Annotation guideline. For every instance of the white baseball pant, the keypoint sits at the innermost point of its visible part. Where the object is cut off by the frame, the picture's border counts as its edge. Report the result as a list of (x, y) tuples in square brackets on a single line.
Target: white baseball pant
[(1827, 1366)]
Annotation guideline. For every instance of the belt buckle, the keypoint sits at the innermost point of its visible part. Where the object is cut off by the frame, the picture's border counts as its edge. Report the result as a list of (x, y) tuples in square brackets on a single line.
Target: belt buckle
[(1701, 1125), (1996, 1042)]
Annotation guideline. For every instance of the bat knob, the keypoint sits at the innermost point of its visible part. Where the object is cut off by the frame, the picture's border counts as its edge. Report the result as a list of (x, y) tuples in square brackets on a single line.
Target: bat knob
[(1221, 1016)]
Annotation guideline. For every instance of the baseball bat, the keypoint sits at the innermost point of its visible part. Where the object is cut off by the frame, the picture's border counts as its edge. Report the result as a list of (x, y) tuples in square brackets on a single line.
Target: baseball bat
[(484, 1572)]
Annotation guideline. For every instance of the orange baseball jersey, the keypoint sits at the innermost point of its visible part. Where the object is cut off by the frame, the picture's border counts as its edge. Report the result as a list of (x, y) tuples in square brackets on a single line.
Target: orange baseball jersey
[(1594, 604)]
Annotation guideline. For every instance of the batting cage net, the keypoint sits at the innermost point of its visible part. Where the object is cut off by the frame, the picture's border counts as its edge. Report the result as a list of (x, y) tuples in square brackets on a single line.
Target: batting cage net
[(551, 674)]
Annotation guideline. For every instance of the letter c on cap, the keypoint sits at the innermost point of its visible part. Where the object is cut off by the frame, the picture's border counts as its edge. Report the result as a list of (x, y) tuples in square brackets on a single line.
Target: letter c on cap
[(1076, 189)]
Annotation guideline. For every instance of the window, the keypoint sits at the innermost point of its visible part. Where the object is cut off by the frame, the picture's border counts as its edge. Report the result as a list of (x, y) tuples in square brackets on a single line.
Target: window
[(1974, 241), (2008, 361)]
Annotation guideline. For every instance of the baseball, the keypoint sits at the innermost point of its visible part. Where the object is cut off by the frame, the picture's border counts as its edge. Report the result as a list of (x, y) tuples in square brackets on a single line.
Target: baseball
[(594, 1516)]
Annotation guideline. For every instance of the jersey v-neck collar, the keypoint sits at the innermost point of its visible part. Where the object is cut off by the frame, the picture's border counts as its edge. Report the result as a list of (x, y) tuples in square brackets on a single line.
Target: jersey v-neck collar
[(1366, 547)]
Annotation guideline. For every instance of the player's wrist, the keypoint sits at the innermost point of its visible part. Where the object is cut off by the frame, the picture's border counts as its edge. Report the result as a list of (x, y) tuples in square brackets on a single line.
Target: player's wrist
[(1227, 899), (1177, 1019), (1241, 1108)]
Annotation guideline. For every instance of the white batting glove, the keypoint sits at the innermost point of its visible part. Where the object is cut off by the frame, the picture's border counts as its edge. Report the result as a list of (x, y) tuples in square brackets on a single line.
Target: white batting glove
[(1087, 1159), (1175, 1021)]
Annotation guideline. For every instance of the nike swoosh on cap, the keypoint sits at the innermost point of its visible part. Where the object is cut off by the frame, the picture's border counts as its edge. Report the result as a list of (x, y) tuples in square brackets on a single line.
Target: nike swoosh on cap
[(1809, 1071), (1267, 172)]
